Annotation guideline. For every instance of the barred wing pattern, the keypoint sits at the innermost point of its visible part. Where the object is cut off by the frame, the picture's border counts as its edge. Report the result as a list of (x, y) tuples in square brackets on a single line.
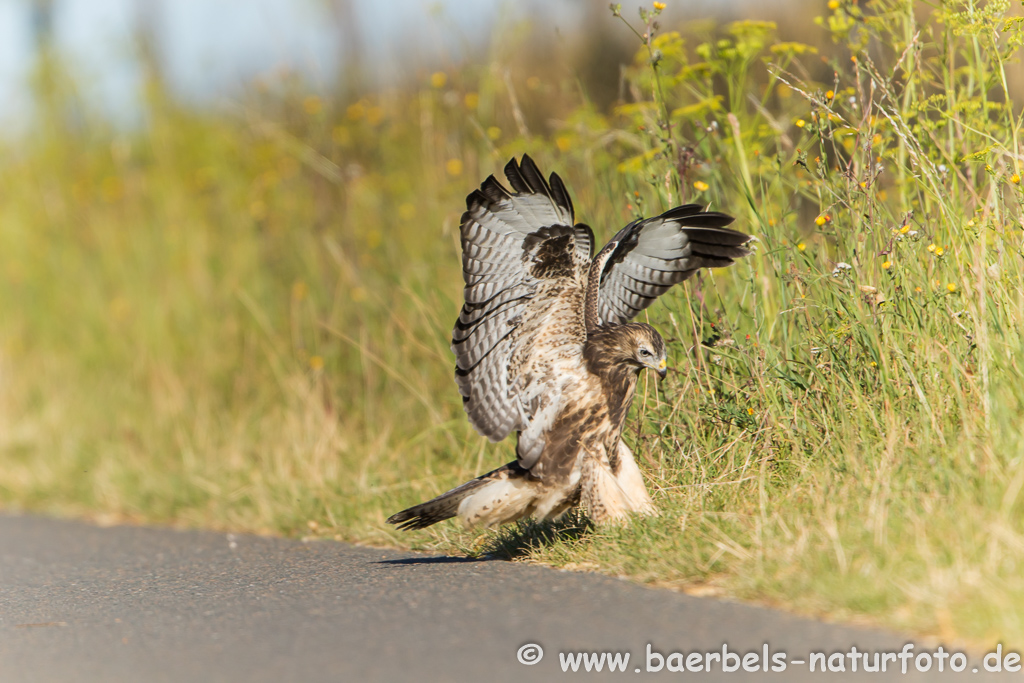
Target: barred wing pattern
[(647, 257), (541, 347), (525, 265)]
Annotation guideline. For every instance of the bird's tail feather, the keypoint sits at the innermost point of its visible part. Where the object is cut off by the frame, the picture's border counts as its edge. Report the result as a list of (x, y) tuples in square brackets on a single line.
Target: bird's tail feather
[(448, 504)]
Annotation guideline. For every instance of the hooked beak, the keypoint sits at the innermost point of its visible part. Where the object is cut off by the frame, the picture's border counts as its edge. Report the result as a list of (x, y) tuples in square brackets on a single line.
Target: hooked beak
[(662, 369)]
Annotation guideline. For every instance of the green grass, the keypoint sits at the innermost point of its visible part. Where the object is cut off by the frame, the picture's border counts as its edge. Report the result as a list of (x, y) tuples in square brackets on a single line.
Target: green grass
[(241, 320)]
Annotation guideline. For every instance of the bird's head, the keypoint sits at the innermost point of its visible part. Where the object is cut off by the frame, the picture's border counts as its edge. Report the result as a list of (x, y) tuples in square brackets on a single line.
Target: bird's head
[(649, 349), (634, 344)]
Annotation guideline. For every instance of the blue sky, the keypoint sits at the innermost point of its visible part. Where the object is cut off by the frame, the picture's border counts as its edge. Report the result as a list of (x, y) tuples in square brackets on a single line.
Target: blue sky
[(210, 48)]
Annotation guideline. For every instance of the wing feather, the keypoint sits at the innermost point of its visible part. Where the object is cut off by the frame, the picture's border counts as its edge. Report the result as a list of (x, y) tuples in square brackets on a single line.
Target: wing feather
[(647, 257), (525, 265)]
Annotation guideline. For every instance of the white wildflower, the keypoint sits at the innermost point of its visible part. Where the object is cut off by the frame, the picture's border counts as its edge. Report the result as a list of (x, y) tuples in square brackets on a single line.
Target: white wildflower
[(841, 269)]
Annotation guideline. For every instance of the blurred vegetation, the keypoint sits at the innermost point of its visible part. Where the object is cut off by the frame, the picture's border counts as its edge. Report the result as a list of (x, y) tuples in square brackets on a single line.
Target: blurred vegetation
[(241, 319)]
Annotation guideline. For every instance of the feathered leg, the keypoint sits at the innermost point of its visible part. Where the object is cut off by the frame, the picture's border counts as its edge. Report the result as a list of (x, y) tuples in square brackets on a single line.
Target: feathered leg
[(631, 482), (613, 496)]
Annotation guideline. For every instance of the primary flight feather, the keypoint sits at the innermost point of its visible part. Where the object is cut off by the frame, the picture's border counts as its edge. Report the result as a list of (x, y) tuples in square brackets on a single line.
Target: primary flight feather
[(544, 346)]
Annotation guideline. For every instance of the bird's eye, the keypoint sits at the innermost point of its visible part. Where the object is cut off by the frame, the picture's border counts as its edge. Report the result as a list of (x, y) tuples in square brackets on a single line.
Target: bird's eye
[(645, 353)]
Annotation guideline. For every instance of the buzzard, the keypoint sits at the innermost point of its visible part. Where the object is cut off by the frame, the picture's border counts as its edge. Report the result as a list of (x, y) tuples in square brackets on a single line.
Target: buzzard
[(545, 348)]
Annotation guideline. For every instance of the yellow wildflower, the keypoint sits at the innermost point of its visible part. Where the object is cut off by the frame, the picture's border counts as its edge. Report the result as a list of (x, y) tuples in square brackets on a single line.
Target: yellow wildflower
[(454, 167), (700, 186), (313, 105)]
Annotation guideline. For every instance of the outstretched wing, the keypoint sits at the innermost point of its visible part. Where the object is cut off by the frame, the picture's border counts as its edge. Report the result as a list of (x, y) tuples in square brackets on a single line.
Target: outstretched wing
[(647, 257), (525, 265)]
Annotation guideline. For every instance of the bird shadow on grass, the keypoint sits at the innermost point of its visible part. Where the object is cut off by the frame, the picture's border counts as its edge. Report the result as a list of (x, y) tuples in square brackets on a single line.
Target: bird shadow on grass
[(522, 538)]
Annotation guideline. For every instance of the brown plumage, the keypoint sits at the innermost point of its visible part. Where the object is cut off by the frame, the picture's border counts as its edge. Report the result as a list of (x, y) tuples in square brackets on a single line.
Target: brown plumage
[(544, 346)]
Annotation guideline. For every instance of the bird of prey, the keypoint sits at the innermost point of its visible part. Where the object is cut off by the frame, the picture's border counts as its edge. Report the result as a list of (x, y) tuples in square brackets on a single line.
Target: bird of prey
[(545, 348)]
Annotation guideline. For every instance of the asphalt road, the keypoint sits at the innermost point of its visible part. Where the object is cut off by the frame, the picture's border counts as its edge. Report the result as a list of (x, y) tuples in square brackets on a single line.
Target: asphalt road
[(82, 603)]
